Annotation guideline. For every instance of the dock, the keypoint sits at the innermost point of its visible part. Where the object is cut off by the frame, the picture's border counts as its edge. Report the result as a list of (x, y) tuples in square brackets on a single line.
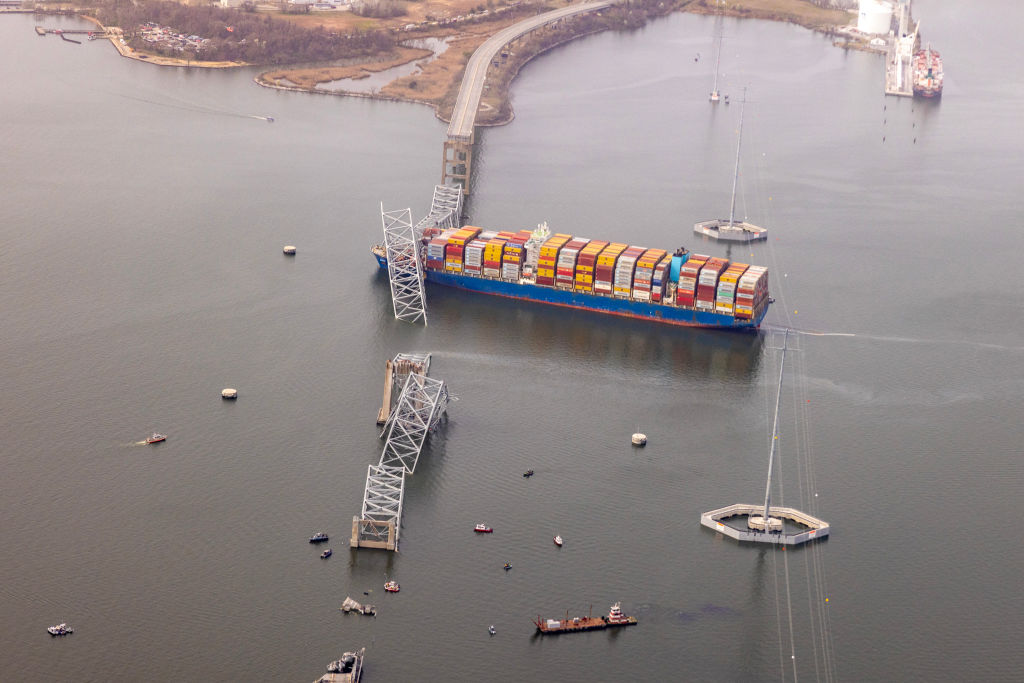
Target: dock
[(899, 60), (91, 33)]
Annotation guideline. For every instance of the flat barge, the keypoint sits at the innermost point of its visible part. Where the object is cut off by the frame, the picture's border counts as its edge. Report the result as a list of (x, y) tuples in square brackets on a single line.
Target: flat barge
[(588, 623)]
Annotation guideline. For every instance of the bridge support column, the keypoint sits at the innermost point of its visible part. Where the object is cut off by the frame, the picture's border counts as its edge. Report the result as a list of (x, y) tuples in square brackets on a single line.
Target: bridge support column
[(458, 163)]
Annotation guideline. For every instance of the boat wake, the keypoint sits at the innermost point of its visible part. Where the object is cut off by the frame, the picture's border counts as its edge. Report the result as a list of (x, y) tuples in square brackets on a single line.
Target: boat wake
[(902, 340), (185, 105)]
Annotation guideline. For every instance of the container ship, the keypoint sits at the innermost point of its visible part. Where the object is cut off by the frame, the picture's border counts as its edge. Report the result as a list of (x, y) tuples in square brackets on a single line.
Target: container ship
[(927, 73), (678, 288), (576, 624)]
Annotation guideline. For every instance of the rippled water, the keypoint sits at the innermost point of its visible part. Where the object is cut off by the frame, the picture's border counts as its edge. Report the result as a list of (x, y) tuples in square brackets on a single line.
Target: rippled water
[(141, 272)]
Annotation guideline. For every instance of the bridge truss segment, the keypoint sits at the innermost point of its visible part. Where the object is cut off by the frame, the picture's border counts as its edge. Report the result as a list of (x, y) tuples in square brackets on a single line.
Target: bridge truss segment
[(404, 270), (378, 524), (445, 209), (420, 408), (418, 411)]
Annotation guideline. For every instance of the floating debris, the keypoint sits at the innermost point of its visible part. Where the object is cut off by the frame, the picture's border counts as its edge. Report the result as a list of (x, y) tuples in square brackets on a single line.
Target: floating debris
[(351, 605)]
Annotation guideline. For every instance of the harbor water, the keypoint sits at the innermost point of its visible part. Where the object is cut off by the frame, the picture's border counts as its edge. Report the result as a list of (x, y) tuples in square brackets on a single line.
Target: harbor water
[(141, 272)]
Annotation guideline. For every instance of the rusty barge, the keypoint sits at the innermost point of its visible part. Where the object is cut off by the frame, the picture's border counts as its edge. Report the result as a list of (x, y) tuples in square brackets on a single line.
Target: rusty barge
[(614, 618)]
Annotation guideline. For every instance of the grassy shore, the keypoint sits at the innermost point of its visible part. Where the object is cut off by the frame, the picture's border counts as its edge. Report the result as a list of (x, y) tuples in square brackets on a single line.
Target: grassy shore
[(437, 82)]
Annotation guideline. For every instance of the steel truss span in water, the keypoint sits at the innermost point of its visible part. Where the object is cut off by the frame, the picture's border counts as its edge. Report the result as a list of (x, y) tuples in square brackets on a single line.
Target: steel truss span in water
[(418, 411), (404, 269)]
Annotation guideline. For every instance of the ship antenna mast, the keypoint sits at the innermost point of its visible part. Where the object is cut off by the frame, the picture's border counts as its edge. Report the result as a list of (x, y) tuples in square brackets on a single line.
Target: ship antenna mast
[(718, 59), (775, 433), (736, 173)]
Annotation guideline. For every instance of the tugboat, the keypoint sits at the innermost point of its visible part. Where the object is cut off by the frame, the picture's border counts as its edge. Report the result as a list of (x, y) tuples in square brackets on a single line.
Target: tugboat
[(60, 630), (319, 537), (156, 438), (558, 541), (348, 669), (483, 529), (528, 473), (325, 554), (392, 586)]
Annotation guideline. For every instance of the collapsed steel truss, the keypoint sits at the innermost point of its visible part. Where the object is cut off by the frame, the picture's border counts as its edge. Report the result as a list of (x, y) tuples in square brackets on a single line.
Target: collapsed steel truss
[(404, 265), (420, 407), (418, 411), (445, 209)]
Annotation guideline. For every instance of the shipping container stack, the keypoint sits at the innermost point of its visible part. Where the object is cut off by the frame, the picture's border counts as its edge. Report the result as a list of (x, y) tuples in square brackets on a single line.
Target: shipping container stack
[(751, 292), (565, 272), (473, 257), (456, 246), (644, 275), (604, 271), (725, 297), (585, 264), (660, 278), (546, 264), (514, 256), (689, 271), (624, 272), (492, 256), (707, 283), (435, 253)]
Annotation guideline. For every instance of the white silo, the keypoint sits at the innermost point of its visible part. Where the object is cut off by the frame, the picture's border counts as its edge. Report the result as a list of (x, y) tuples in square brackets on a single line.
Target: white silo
[(874, 16)]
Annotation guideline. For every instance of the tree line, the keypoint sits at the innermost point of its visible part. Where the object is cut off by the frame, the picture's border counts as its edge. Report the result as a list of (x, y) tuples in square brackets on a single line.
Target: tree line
[(235, 35)]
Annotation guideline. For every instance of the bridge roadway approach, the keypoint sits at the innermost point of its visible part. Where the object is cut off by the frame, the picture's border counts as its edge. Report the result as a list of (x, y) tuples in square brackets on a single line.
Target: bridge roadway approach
[(458, 149)]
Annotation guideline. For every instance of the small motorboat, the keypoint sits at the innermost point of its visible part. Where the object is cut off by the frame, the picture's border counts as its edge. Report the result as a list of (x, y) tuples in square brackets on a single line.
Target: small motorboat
[(528, 473), (558, 541), (60, 630), (491, 629), (319, 537), (639, 439), (508, 565), (392, 586), (325, 554), (482, 529), (156, 438)]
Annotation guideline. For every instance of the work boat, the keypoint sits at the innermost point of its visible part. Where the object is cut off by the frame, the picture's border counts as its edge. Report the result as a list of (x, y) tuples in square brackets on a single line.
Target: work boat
[(732, 230)]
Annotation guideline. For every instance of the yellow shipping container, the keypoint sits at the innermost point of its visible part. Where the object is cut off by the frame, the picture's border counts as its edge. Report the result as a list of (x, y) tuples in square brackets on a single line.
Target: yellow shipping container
[(611, 254), (650, 258)]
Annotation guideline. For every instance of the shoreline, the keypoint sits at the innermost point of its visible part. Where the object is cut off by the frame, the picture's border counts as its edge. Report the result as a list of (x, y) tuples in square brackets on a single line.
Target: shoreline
[(444, 78)]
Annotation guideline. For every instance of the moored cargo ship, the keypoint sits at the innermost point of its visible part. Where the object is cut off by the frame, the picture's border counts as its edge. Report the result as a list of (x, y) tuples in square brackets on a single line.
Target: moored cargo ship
[(678, 288), (588, 623), (927, 74)]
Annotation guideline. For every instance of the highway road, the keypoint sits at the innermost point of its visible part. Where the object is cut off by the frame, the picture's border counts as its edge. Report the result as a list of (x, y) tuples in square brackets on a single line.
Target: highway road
[(464, 114)]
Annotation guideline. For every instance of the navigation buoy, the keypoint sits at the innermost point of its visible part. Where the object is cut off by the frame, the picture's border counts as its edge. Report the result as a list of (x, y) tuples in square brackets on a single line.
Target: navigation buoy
[(289, 249), (229, 393)]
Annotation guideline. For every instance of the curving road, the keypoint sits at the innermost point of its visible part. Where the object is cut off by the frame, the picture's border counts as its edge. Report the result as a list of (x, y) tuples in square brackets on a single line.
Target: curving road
[(464, 114)]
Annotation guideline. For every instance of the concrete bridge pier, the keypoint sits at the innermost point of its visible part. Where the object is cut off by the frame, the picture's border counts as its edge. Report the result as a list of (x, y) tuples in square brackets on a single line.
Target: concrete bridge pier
[(458, 162)]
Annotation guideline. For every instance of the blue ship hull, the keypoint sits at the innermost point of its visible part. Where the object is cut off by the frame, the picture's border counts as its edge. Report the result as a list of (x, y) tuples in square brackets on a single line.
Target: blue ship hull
[(596, 302)]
